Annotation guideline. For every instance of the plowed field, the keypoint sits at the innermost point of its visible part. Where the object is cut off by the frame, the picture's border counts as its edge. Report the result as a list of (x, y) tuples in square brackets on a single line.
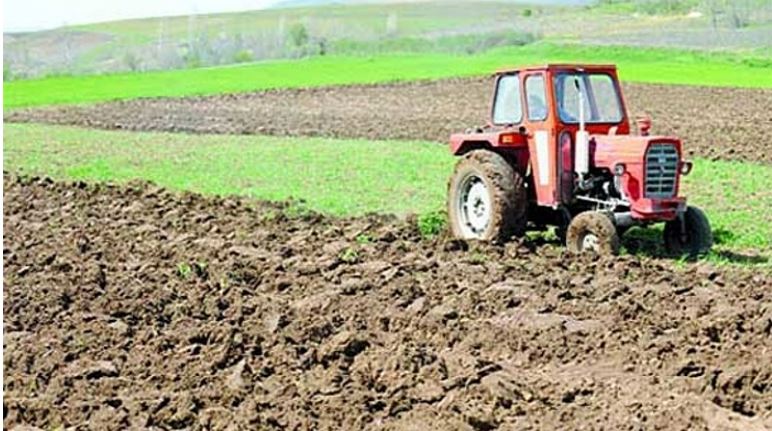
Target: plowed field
[(131, 307), (716, 123)]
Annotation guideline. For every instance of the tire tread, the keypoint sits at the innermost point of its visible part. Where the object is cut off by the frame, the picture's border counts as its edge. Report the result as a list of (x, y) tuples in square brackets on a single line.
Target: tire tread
[(510, 200), (698, 225), (598, 223)]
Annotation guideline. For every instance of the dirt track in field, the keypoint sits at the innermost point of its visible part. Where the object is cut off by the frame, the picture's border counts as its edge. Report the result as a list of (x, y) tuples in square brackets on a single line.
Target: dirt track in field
[(717, 123), (131, 307)]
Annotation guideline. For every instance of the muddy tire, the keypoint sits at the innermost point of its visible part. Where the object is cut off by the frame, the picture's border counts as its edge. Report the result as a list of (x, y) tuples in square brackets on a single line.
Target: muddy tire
[(487, 199), (694, 237), (592, 231)]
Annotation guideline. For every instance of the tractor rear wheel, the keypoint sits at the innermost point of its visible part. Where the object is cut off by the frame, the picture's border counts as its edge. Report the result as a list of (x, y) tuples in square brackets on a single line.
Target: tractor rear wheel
[(691, 236), (487, 199), (592, 231)]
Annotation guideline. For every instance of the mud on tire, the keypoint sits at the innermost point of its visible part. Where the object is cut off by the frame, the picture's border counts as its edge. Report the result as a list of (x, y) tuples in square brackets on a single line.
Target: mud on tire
[(695, 240), (506, 193), (592, 231)]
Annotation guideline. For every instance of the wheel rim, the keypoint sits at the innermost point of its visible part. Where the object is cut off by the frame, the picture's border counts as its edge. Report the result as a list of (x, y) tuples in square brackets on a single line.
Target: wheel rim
[(474, 207), (590, 242)]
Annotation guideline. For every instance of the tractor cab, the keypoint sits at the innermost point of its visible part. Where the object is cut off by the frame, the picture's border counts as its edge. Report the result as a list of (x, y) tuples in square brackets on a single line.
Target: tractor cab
[(563, 133), (557, 96)]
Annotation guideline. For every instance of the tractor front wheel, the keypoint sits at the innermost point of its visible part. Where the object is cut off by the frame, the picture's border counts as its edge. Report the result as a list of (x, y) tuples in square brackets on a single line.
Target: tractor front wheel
[(487, 198), (592, 231), (689, 234)]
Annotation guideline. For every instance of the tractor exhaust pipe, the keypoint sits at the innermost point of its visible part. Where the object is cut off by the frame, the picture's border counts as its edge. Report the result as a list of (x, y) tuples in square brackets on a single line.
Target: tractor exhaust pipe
[(582, 163)]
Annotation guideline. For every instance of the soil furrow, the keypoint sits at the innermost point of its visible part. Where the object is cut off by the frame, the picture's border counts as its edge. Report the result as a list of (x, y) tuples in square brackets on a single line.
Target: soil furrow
[(716, 123), (132, 307)]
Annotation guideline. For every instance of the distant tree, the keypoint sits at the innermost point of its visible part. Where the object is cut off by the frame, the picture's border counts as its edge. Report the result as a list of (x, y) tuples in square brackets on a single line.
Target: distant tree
[(19, 64), (168, 57), (392, 24), (298, 35), (713, 9), (527, 12), (282, 25), (739, 14), (159, 44), (736, 14), (132, 61), (201, 51), (322, 42), (67, 44)]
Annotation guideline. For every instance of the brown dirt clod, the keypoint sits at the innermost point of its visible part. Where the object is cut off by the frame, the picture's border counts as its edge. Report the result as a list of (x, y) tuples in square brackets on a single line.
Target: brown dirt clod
[(109, 325)]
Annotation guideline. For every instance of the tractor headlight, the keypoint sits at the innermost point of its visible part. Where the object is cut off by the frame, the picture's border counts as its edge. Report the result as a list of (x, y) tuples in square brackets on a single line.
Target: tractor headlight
[(620, 169), (686, 167)]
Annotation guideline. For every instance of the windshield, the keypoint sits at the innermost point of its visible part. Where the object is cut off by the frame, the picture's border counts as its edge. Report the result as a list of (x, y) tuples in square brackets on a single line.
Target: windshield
[(601, 101)]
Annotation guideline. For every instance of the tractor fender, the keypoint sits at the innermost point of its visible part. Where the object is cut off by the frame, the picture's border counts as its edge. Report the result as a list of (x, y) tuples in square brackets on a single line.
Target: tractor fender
[(516, 156), (502, 141), (463, 147)]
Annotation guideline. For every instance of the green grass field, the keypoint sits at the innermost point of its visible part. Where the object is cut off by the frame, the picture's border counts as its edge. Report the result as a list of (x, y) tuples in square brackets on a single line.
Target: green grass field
[(635, 64), (339, 177)]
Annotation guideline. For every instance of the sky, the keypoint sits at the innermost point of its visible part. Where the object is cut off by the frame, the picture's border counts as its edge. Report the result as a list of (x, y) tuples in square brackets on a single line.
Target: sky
[(30, 15)]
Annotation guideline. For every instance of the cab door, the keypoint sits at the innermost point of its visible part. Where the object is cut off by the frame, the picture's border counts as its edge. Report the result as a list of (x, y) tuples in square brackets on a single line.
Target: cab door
[(541, 140)]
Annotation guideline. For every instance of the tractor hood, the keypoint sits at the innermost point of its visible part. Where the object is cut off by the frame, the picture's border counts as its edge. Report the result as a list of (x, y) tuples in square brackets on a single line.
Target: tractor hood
[(608, 150), (650, 175)]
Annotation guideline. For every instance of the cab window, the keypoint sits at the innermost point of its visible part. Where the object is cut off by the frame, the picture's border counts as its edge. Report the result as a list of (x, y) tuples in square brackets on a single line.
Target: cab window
[(535, 98), (507, 108), (600, 101)]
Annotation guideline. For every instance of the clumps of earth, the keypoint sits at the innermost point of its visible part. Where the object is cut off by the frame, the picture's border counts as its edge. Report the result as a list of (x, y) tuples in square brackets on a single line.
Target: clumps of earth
[(131, 307)]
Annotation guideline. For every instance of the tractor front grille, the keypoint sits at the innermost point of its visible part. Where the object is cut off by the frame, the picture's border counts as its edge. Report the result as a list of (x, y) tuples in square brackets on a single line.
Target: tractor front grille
[(661, 171)]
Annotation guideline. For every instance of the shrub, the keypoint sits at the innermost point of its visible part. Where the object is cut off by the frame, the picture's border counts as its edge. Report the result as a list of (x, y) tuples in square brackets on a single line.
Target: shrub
[(298, 35), (184, 270), (243, 56), (432, 223), (349, 255)]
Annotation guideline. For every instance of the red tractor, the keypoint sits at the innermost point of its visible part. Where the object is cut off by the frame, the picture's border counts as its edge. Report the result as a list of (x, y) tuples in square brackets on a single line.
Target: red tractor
[(557, 151)]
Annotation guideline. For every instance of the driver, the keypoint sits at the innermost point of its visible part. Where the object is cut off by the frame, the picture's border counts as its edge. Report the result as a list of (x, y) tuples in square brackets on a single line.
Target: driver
[(565, 114)]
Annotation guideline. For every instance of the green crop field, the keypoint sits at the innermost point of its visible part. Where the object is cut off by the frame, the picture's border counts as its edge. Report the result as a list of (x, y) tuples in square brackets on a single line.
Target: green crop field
[(339, 177), (635, 64), (351, 177)]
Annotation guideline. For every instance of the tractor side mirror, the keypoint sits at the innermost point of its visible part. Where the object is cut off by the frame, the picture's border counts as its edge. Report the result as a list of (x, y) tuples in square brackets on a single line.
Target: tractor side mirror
[(644, 124)]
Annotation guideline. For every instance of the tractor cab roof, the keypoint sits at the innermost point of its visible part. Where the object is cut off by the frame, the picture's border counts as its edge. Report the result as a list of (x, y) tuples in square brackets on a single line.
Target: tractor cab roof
[(558, 67)]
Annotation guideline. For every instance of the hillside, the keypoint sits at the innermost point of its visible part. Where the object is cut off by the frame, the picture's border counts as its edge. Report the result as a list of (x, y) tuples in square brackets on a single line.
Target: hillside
[(367, 28)]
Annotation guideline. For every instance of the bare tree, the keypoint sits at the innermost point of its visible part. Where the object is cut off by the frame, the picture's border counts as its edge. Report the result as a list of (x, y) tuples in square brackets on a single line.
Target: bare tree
[(161, 34), (67, 49), (392, 24), (132, 61)]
